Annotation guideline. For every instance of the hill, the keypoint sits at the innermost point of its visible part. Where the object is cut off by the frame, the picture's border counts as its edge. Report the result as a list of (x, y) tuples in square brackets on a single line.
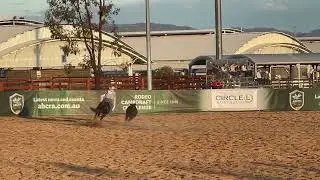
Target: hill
[(138, 27)]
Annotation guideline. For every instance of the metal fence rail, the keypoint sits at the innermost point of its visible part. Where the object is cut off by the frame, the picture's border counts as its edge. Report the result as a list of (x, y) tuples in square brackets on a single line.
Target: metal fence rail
[(139, 83)]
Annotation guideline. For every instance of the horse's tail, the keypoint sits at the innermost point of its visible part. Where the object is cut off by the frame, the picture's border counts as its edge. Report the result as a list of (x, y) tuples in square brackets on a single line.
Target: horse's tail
[(93, 109)]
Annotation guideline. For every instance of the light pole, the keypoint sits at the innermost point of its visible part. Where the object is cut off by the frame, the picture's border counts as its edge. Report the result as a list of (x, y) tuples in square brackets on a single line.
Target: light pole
[(218, 31), (148, 44)]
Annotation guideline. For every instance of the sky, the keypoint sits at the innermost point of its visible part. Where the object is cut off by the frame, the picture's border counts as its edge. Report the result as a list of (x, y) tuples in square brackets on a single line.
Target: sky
[(293, 15)]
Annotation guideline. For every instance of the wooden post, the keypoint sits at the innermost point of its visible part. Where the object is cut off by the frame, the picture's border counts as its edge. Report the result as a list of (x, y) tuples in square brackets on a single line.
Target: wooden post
[(51, 84), (142, 82), (30, 85), (88, 84), (1, 86), (69, 83)]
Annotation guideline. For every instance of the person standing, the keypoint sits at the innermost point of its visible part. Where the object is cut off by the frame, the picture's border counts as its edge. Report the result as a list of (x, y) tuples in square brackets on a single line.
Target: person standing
[(259, 76)]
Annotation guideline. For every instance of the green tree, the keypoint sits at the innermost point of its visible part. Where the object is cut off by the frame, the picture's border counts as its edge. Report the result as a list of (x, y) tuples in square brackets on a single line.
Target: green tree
[(165, 71), (74, 21)]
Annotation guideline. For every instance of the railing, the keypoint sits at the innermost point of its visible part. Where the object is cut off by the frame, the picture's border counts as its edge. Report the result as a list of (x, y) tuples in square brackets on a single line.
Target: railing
[(140, 83), (275, 84), (119, 82), (179, 82)]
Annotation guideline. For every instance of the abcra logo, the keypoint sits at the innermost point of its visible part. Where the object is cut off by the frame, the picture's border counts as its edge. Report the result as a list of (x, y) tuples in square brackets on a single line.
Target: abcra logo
[(16, 102), (296, 99)]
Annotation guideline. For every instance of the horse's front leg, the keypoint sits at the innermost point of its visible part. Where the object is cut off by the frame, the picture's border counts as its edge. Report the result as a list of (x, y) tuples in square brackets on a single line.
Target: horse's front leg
[(97, 114)]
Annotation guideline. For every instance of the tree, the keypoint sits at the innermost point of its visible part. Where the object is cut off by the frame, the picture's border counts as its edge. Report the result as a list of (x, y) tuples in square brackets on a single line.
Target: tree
[(74, 21), (165, 71)]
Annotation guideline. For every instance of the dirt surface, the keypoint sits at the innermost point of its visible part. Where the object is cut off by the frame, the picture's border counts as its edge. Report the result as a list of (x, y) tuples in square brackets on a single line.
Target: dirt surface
[(250, 145)]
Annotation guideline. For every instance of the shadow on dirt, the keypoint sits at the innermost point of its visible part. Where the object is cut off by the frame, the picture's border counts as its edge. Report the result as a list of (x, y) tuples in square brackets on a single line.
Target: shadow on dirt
[(77, 121), (295, 168), (221, 170), (96, 171), (114, 122)]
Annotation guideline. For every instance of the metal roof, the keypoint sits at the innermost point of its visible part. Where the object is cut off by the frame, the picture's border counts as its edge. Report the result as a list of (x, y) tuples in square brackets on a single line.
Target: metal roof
[(20, 22), (9, 31), (186, 47), (270, 59), (178, 32), (314, 46), (308, 39), (13, 27)]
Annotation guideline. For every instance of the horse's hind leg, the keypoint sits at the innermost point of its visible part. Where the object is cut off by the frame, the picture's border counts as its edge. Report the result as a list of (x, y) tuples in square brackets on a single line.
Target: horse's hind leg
[(102, 116), (97, 114)]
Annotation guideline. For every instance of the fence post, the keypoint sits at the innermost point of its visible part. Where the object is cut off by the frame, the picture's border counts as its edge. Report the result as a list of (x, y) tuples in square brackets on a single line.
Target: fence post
[(1, 86), (30, 84), (88, 84), (142, 82), (51, 84), (69, 83)]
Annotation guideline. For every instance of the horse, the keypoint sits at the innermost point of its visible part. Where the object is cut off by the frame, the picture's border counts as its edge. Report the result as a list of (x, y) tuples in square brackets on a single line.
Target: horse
[(103, 109)]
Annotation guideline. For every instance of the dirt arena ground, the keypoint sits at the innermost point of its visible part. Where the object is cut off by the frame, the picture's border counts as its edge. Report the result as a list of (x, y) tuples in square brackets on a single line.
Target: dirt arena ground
[(251, 145)]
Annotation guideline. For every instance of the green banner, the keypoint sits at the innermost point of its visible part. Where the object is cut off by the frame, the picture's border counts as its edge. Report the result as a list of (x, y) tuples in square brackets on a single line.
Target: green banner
[(64, 102), (293, 100), (50, 103), (316, 99), (158, 101)]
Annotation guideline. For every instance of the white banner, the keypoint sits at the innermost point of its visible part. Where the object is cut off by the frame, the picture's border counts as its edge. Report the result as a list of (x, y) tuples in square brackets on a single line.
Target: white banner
[(234, 99)]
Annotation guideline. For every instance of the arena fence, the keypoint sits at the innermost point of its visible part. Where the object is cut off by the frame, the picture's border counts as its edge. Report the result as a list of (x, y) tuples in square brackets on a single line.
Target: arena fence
[(119, 82), (77, 102)]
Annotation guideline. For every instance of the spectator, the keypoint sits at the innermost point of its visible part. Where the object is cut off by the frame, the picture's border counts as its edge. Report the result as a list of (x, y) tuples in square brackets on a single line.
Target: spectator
[(224, 68), (310, 72), (258, 76), (233, 69), (217, 84), (250, 70), (267, 77)]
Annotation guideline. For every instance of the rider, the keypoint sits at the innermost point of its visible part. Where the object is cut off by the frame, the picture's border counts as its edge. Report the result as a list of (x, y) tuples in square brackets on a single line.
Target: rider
[(109, 96)]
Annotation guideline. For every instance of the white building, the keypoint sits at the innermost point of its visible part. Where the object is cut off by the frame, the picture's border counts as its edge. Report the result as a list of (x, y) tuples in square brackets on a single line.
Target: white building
[(178, 48), (28, 44)]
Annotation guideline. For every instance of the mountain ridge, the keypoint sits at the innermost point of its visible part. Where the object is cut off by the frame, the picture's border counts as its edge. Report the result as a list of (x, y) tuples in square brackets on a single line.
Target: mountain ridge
[(139, 27)]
